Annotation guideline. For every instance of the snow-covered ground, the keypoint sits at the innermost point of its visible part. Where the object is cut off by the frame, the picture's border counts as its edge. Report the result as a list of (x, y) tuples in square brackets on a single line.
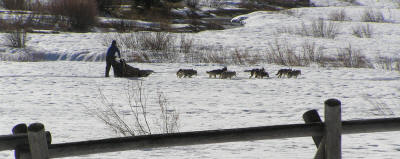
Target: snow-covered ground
[(57, 93)]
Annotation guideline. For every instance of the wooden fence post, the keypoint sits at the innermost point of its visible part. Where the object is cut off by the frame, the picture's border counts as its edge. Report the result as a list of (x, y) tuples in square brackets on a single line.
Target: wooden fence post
[(20, 151), (321, 154), (312, 116), (333, 129), (37, 141)]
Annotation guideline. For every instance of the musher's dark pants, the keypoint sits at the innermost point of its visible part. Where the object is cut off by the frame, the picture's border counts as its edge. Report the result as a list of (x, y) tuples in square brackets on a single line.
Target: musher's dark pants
[(109, 62)]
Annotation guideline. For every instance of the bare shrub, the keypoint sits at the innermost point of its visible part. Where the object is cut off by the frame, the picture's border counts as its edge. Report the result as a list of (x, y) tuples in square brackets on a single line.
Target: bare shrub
[(136, 118), (24, 55), (363, 31), (239, 58), (186, 47), (312, 54), (255, 59), (80, 15), (350, 57), (157, 41), (155, 46), (169, 118), (282, 54), (220, 55), (215, 56), (16, 35), (125, 41), (321, 28), (389, 63), (370, 15), (186, 44), (160, 44), (338, 15), (209, 54), (16, 38)]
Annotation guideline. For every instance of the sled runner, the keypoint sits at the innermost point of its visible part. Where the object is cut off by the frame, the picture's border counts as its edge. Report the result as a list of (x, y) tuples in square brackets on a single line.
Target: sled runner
[(121, 69)]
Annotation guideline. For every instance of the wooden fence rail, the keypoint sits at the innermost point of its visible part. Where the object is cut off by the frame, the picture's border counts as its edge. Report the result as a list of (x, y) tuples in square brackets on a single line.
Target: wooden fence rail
[(314, 127), (9, 142)]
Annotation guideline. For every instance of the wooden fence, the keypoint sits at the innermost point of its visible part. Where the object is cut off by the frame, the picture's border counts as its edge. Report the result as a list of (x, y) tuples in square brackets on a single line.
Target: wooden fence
[(34, 142)]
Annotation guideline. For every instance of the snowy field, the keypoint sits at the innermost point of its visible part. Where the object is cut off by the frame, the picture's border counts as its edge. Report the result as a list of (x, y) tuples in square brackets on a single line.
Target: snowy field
[(58, 91), (56, 94)]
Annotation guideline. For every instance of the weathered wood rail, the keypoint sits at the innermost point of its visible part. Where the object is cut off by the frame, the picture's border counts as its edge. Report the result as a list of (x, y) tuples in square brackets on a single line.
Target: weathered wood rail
[(33, 142)]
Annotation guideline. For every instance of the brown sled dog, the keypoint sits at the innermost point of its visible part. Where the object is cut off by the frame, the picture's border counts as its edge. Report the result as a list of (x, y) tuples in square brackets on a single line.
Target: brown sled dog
[(294, 73), (214, 73), (186, 73), (283, 72), (227, 74), (257, 73), (289, 73)]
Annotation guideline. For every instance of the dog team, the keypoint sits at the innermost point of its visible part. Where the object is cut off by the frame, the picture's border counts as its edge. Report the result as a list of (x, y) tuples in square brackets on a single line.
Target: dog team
[(224, 73)]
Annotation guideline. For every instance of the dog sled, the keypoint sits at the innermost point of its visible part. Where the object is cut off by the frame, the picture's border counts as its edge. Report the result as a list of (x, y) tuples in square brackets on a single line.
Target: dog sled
[(121, 69)]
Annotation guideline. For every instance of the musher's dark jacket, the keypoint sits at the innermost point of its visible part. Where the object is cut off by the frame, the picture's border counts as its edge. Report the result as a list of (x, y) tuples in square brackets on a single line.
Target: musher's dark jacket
[(111, 52)]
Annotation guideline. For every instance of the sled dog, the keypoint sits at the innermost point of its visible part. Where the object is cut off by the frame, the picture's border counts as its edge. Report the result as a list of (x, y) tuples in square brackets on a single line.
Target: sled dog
[(214, 73), (186, 73), (283, 72), (227, 74), (294, 73), (257, 73)]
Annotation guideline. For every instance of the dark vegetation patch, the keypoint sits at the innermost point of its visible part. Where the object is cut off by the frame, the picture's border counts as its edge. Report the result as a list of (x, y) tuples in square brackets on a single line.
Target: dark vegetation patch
[(82, 15)]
